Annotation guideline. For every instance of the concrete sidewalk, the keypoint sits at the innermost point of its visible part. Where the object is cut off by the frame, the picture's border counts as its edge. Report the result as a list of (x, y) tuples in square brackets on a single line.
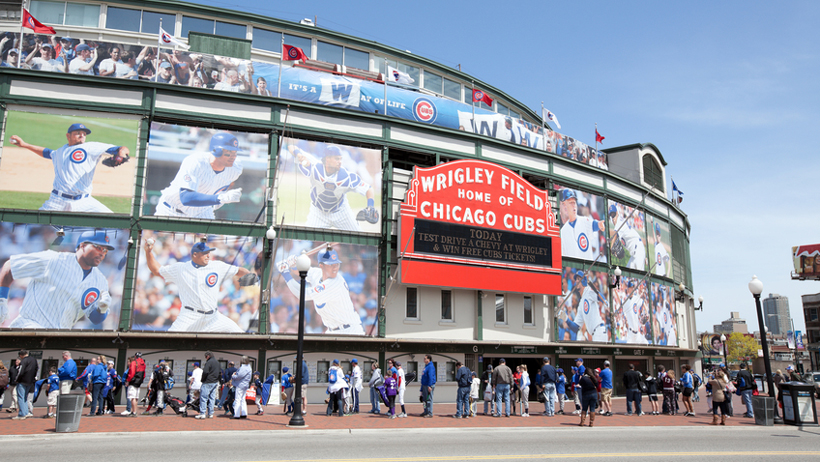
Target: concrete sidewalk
[(317, 420)]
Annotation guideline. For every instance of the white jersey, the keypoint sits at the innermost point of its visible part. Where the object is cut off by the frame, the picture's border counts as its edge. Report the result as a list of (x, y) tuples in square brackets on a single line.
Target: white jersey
[(198, 286), (60, 292), (75, 65), (632, 316), (589, 315), (661, 259), (108, 65), (634, 244), (667, 323), (196, 174), (400, 377), (50, 65), (356, 378), (74, 166), (331, 298), (328, 193), (578, 237)]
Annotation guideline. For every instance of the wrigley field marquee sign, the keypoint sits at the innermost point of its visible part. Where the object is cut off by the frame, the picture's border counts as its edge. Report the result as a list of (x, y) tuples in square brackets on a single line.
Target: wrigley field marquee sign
[(473, 224)]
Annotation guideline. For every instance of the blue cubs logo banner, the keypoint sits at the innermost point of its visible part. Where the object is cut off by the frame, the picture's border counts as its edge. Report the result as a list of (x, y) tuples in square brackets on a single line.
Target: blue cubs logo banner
[(78, 156), (211, 279), (89, 297)]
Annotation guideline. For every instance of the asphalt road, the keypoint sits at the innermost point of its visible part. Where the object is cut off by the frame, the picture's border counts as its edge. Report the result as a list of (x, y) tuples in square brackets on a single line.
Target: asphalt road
[(637, 443)]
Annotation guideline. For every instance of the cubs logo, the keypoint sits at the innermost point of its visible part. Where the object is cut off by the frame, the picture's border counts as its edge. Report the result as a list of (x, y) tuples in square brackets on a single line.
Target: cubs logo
[(292, 53), (89, 297), (635, 308), (478, 95), (235, 143), (78, 156), (658, 259), (319, 288), (211, 279), (222, 189), (664, 318), (30, 22), (583, 242), (424, 110), (586, 306), (166, 38), (188, 178)]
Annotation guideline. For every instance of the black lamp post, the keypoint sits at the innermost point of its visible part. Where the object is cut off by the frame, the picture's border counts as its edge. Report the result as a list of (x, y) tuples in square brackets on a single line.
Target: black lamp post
[(302, 265), (725, 350), (756, 288)]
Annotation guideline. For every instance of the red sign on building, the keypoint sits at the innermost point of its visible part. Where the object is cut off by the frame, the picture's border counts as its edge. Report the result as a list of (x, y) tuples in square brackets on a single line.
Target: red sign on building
[(473, 224)]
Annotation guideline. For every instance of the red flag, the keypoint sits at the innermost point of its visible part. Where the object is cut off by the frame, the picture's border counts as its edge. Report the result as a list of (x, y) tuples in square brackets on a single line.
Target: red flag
[(479, 95), (293, 53), (598, 137), (30, 22)]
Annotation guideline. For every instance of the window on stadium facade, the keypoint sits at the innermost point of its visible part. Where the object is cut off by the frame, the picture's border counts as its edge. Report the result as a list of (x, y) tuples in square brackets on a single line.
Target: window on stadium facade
[(411, 304), (412, 71), (446, 305), (500, 309), (652, 173), (528, 311), (210, 26), (66, 13), (137, 20), (267, 40)]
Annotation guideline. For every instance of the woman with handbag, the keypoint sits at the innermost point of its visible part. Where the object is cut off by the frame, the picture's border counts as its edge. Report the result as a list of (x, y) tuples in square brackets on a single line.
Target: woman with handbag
[(589, 396), (718, 384), (669, 392)]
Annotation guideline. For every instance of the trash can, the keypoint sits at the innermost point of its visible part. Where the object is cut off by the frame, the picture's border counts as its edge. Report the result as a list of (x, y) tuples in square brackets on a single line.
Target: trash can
[(763, 407), (798, 402), (69, 411)]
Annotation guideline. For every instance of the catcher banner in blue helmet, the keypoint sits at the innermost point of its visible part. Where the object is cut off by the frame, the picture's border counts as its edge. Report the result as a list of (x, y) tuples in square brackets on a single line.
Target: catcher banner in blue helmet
[(223, 141)]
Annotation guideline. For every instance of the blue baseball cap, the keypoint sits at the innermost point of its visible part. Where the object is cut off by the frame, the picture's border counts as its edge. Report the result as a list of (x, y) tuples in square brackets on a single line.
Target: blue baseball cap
[(285, 369), (196, 364), (95, 237), (329, 258), (559, 370), (579, 359), (613, 210), (567, 194), (82, 47), (333, 151), (354, 360), (200, 247), (335, 361), (657, 228), (371, 305), (165, 65), (75, 127)]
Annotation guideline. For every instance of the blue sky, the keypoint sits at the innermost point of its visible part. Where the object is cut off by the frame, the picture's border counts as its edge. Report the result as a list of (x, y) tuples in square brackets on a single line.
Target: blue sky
[(728, 91)]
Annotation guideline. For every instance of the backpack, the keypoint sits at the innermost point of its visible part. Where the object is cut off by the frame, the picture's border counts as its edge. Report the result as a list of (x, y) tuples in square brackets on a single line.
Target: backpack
[(331, 376), (642, 386), (4, 378), (697, 381), (169, 382)]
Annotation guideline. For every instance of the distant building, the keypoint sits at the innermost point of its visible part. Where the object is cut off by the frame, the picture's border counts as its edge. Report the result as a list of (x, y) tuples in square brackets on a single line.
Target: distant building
[(734, 324), (776, 314), (811, 310)]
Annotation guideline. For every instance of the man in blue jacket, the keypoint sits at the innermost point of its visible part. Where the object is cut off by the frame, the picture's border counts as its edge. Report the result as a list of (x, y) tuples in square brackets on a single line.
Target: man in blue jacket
[(226, 387), (67, 373), (99, 375), (428, 385), (464, 380), (549, 377)]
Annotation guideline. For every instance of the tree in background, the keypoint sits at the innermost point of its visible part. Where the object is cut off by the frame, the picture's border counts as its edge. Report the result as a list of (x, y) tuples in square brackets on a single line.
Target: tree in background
[(742, 348)]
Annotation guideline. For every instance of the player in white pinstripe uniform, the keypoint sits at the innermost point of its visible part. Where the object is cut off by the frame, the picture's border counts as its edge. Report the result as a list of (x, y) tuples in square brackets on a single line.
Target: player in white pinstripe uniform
[(74, 167), (632, 240), (589, 313), (632, 315), (667, 322), (198, 281), (579, 234), (329, 292), (64, 286), (329, 185), (661, 255), (203, 182)]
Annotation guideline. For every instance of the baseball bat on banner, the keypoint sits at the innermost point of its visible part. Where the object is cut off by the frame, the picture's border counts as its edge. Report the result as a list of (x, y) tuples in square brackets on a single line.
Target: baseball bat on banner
[(310, 252)]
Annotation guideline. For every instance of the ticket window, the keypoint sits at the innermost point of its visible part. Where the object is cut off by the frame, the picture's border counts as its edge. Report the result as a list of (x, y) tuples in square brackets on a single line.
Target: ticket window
[(275, 368)]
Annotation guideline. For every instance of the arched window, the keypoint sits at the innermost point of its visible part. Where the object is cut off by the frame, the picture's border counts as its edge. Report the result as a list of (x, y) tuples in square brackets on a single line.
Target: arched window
[(652, 173)]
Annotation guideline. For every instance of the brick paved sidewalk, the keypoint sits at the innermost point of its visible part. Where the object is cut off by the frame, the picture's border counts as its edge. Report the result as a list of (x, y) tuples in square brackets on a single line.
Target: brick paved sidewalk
[(316, 419)]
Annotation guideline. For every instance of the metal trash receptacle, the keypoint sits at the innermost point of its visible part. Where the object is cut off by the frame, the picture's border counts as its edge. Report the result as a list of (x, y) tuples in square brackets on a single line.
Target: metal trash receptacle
[(69, 411), (763, 407)]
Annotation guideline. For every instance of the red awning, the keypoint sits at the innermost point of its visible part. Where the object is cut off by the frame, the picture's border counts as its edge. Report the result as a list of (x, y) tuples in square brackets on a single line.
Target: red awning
[(811, 250)]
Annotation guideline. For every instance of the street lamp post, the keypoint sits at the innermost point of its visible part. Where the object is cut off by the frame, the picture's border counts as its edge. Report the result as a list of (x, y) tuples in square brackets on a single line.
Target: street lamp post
[(725, 350), (302, 265), (756, 288)]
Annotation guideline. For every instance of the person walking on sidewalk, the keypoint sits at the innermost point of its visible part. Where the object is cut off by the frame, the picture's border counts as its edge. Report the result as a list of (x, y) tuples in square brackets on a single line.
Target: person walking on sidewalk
[(401, 382), (746, 385), (632, 383), (524, 387), (502, 379), (718, 385), (652, 392), (688, 383), (589, 396), (25, 383), (606, 389), (210, 382), (548, 384), (668, 382), (428, 386), (241, 380), (464, 380)]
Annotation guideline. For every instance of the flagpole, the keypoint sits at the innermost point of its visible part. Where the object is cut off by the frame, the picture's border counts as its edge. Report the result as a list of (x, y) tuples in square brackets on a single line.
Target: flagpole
[(20, 43), (674, 192), (384, 76), (543, 126), (281, 64), (472, 102), (596, 139)]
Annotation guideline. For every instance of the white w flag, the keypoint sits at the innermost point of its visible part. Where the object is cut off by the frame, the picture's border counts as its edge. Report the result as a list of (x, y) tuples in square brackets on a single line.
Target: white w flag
[(167, 40), (547, 115), (396, 76)]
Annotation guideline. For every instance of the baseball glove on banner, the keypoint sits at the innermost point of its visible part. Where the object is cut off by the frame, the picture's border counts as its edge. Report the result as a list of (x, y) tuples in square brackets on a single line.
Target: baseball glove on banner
[(115, 161), (249, 279), (369, 215), (618, 249)]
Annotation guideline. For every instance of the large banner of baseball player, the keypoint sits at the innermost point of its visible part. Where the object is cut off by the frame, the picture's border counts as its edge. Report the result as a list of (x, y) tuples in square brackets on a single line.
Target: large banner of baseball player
[(583, 230), (197, 283), (329, 186), (630, 312), (341, 292), (199, 70), (627, 236), (663, 315), (205, 173), (61, 278), (70, 162), (583, 313), (660, 247)]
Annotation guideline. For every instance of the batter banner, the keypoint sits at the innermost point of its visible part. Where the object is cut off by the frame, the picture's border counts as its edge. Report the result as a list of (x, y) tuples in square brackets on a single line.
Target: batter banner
[(197, 283), (61, 278), (583, 229), (631, 312), (806, 259), (205, 173), (68, 162), (199, 70), (627, 236), (476, 225), (660, 247), (341, 292), (665, 321), (329, 186), (582, 311)]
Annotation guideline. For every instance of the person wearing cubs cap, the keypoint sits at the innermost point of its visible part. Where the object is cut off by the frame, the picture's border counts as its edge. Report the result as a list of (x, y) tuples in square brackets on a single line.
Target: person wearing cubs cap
[(75, 164), (329, 184), (579, 234), (328, 290), (63, 288), (205, 181), (199, 282), (84, 62)]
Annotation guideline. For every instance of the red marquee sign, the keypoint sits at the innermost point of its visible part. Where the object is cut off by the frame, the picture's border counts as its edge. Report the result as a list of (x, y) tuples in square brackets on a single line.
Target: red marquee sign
[(473, 224)]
